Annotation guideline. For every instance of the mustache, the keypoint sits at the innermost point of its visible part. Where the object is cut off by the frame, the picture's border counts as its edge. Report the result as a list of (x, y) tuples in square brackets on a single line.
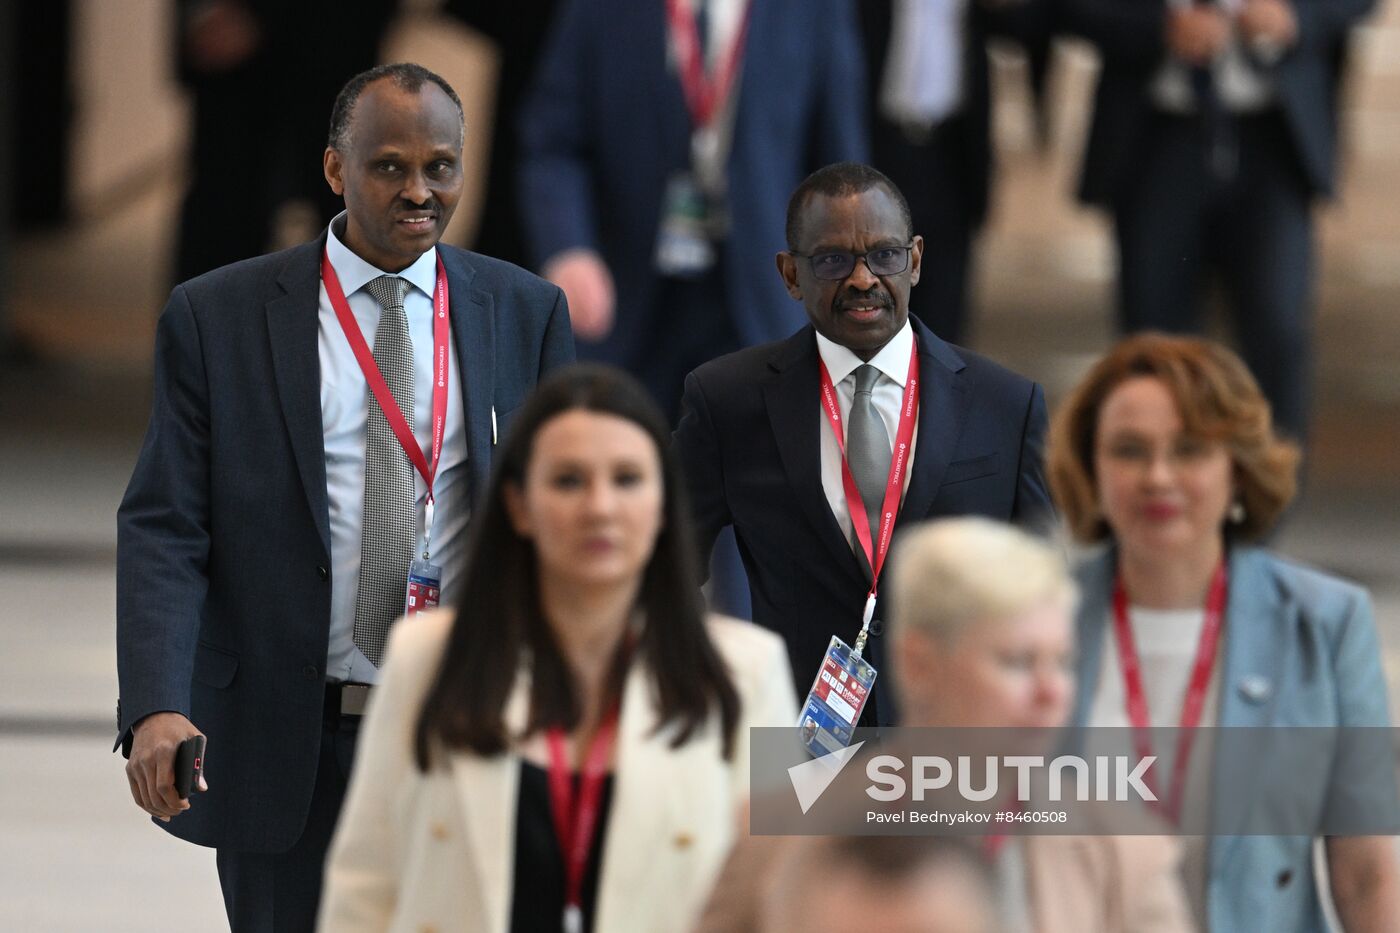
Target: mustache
[(431, 205), (877, 298)]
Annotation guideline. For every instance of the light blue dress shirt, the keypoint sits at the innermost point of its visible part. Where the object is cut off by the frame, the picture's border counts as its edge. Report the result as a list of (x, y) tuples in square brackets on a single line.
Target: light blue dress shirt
[(345, 401)]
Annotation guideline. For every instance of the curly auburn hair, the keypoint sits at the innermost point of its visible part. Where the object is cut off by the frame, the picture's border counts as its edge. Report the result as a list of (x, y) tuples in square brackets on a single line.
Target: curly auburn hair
[(1218, 400)]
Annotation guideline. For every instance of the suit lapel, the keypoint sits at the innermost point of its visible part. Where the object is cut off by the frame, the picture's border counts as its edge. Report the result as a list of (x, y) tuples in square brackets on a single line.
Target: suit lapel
[(942, 413), (644, 768), (292, 324), (795, 415), (1095, 578), (1259, 629), (473, 312), (488, 791), (661, 81)]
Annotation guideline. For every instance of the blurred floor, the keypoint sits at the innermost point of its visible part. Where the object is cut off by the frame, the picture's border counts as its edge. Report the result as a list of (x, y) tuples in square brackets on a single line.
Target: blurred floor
[(76, 855)]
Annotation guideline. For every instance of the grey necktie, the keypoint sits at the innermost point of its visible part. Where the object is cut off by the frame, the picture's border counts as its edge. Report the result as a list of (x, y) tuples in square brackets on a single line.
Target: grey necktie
[(868, 452), (389, 530)]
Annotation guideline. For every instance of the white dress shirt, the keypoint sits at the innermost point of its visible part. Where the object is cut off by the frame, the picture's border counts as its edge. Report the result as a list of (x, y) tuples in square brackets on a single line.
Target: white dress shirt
[(1241, 85), (345, 401), (923, 80), (893, 363)]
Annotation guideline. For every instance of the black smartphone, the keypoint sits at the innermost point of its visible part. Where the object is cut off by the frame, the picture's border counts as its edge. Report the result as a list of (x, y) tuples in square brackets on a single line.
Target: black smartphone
[(189, 762)]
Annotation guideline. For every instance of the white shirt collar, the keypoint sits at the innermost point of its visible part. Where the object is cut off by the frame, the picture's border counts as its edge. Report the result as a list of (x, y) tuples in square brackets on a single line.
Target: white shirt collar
[(354, 273), (892, 360)]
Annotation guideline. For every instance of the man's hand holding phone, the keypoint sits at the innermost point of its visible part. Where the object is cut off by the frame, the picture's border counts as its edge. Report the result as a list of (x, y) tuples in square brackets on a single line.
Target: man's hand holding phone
[(151, 769)]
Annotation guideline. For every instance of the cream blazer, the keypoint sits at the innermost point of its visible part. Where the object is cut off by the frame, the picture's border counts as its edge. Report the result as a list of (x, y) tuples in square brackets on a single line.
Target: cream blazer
[(436, 851)]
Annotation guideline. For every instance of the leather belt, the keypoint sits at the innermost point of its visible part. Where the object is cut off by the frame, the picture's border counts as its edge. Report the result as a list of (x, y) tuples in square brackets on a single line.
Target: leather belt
[(347, 699)]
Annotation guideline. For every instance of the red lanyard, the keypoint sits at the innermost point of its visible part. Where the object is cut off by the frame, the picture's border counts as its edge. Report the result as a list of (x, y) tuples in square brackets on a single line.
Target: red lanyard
[(380, 388), (704, 95), (1195, 698), (894, 486), (576, 817), (993, 843)]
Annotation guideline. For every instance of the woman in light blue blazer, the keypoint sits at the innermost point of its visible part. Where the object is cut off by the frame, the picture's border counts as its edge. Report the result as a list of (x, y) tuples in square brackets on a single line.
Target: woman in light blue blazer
[(1165, 454)]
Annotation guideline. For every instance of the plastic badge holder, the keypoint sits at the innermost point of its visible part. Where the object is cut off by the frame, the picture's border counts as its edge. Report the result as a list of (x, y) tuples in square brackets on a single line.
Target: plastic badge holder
[(424, 587), (834, 704)]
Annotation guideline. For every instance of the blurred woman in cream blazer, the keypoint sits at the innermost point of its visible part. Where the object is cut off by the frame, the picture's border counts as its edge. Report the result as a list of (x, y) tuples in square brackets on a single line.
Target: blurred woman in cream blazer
[(580, 648)]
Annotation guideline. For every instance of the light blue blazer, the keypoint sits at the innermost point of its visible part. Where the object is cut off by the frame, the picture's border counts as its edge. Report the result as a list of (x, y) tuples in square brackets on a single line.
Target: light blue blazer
[(1300, 649)]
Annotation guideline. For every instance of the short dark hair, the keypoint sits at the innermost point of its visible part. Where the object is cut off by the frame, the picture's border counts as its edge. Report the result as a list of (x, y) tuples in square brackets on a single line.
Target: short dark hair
[(405, 75), (500, 622), (839, 180)]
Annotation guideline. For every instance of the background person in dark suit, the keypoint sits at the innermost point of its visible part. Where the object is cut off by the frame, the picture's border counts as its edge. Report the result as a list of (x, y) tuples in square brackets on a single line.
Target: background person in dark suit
[(761, 456), (1214, 131), (624, 189), (608, 138), (930, 103), (247, 606)]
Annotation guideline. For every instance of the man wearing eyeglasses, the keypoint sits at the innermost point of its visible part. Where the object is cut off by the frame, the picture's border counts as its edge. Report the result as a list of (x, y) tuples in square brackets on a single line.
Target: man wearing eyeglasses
[(925, 429)]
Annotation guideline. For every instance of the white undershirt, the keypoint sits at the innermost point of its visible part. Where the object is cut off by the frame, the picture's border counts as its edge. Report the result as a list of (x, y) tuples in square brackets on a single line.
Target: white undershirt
[(841, 363), (924, 71), (1166, 641)]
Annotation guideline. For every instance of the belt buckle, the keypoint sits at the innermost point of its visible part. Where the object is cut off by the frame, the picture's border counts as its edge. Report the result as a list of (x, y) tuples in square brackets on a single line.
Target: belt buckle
[(354, 699)]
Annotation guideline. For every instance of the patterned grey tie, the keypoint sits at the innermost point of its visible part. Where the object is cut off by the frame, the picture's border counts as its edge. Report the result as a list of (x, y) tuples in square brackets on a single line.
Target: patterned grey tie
[(868, 452), (389, 530)]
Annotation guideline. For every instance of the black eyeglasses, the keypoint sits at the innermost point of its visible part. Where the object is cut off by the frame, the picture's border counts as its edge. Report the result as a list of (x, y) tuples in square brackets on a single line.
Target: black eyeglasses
[(835, 266)]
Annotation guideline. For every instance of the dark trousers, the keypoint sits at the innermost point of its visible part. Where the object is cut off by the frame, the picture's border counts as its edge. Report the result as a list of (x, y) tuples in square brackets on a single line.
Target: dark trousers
[(280, 893), (945, 199), (1177, 222), (690, 324)]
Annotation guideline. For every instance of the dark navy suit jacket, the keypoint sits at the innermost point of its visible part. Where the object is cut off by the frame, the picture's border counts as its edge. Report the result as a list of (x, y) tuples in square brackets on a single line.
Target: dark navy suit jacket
[(749, 441), (606, 125), (1129, 34), (223, 540)]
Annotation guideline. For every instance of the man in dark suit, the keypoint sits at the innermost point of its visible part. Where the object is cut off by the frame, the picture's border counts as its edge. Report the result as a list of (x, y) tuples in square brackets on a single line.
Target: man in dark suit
[(619, 167), (1214, 132), (760, 452), (265, 538), (931, 101)]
